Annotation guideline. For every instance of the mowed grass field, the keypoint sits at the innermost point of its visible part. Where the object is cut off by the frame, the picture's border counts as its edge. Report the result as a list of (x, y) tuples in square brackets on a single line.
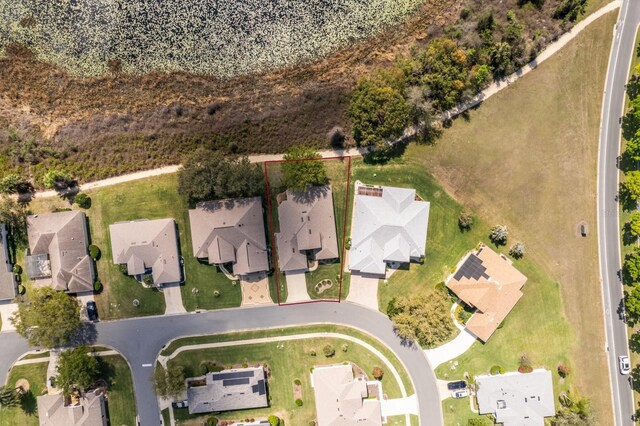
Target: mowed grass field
[(527, 158), (153, 198), (288, 361), (27, 413)]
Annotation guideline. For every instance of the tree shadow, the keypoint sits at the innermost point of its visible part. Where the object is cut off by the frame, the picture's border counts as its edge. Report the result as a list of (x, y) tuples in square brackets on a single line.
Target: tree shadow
[(626, 164), (626, 201), (633, 88), (107, 372), (29, 404), (630, 124), (380, 156), (627, 238), (86, 334)]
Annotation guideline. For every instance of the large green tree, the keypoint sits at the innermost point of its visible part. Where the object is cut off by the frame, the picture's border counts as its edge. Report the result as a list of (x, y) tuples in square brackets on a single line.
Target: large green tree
[(76, 370), (630, 188), (423, 317), (300, 171), (632, 302), (9, 397), (14, 214), (634, 224), (48, 318), (208, 175), (632, 265), (378, 109)]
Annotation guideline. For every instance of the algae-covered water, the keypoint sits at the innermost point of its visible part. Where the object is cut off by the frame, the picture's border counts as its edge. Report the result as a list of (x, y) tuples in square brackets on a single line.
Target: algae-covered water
[(224, 38)]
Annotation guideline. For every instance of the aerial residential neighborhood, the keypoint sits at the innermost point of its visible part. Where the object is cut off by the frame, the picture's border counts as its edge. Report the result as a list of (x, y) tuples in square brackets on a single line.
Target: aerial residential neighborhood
[(347, 213)]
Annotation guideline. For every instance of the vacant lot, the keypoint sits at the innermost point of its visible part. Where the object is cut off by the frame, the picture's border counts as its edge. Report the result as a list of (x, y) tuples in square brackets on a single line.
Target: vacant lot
[(527, 158), (287, 361), (153, 198)]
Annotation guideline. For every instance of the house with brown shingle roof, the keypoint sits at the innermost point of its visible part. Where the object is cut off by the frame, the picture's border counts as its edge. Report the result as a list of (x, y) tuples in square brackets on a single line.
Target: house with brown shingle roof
[(58, 251), (343, 400), (307, 228), (230, 231), (147, 247), (489, 282), (88, 410)]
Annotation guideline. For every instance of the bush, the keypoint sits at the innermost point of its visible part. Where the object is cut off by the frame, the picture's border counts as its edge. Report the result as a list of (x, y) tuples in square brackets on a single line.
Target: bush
[(12, 183), (56, 179), (297, 382), (21, 289), (147, 279), (299, 402), (245, 365), (94, 252), (496, 369), (274, 420), (82, 200), (517, 250), (499, 234), (97, 285), (312, 352), (336, 137), (329, 351), (216, 293), (123, 268), (212, 421), (480, 421), (17, 269), (563, 370), (204, 368), (345, 347), (465, 220), (377, 373)]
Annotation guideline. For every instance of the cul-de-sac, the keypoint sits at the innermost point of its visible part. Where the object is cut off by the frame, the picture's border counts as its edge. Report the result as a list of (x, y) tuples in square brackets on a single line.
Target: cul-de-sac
[(320, 213)]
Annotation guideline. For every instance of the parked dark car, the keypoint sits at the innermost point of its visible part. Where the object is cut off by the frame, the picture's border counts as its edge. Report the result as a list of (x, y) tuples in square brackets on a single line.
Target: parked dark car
[(92, 311), (460, 384)]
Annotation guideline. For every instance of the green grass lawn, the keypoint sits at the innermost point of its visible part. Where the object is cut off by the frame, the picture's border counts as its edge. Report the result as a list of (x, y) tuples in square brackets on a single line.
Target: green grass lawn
[(122, 405), (288, 361), (152, 198), (165, 417), (456, 412), (330, 271), (27, 414)]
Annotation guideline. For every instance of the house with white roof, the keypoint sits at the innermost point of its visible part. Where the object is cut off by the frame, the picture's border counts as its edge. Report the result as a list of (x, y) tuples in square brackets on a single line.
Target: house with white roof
[(389, 225)]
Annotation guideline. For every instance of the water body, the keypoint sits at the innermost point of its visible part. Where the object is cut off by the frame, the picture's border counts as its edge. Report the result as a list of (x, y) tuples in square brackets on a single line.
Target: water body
[(224, 38)]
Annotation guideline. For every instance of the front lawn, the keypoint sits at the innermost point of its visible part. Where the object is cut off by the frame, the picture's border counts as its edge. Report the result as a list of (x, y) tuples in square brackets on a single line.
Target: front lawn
[(329, 272), (121, 401), (27, 413), (288, 361)]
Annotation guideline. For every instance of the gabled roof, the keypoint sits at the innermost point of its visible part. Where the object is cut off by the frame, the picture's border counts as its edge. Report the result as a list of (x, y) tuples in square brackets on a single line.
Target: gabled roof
[(389, 225), (7, 281), (487, 281), (517, 399), (89, 411), (342, 400), (63, 237), (144, 244), (230, 231), (236, 389), (307, 223)]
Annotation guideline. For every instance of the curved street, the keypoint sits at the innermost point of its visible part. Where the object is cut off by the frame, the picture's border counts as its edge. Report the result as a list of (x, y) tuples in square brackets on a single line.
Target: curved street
[(616, 343), (140, 340)]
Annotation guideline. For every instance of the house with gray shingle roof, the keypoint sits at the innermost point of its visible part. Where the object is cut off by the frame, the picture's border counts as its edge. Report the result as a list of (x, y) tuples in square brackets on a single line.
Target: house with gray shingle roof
[(147, 247), (343, 400), (230, 231), (517, 399), (389, 225), (8, 289), (307, 228), (236, 389), (58, 251), (88, 410)]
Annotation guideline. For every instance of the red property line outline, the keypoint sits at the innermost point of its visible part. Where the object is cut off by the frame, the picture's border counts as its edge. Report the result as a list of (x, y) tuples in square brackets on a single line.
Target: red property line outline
[(274, 248)]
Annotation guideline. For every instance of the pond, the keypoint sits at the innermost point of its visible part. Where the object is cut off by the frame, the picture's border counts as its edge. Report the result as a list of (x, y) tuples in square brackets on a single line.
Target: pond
[(224, 38)]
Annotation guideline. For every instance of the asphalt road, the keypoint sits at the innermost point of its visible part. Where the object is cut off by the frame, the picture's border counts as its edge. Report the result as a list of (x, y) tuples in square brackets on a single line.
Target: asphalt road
[(608, 220), (140, 340)]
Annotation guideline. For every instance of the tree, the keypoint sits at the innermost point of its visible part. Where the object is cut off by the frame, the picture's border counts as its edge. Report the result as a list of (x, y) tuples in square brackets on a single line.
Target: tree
[(632, 265), (563, 370), (578, 414), (465, 220), (630, 188), (632, 149), (14, 215), (423, 316), (56, 179), (378, 109), (570, 10), (76, 370), (480, 76), (9, 397), (329, 351), (517, 250), (274, 420), (13, 183), (208, 175), (377, 373), (168, 383), (634, 224), (300, 171), (632, 302), (49, 319), (499, 234), (82, 200)]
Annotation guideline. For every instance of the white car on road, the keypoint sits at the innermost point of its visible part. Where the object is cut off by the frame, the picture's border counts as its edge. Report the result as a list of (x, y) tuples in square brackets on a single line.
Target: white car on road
[(625, 366)]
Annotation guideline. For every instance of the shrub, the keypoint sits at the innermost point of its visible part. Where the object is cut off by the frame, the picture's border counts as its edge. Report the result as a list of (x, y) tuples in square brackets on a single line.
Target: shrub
[(21, 289), (274, 420), (94, 252), (82, 200), (204, 368), (336, 137), (299, 402), (496, 369), (499, 234), (17, 269), (212, 421), (147, 279), (525, 369), (123, 268), (345, 347), (312, 352), (377, 373), (517, 250), (297, 382), (97, 285), (480, 421), (465, 220), (12, 183), (216, 293), (329, 351), (55, 179), (563, 370), (245, 365)]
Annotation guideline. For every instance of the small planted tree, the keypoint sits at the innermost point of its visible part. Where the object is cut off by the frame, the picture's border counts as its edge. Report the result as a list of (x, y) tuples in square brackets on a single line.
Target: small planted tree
[(563, 370), (499, 234), (329, 351), (56, 179), (82, 200), (94, 252), (465, 220), (274, 420), (517, 250), (9, 397), (377, 373)]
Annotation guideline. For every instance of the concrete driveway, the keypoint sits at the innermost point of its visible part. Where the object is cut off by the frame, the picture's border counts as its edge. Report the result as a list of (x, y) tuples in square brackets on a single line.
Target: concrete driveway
[(452, 349), (399, 406), (296, 287), (255, 289), (6, 310), (173, 299), (363, 290)]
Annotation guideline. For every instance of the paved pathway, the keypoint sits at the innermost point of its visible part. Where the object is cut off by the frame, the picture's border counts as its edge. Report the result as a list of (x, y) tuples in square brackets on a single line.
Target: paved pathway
[(173, 299), (255, 289), (6, 310), (451, 350), (363, 290), (296, 287)]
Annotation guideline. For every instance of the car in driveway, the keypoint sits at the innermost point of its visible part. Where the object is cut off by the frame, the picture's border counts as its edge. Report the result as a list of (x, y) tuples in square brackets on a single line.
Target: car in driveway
[(459, 384), (181, 404), (92, 311), (624, 364), (463, 393)]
